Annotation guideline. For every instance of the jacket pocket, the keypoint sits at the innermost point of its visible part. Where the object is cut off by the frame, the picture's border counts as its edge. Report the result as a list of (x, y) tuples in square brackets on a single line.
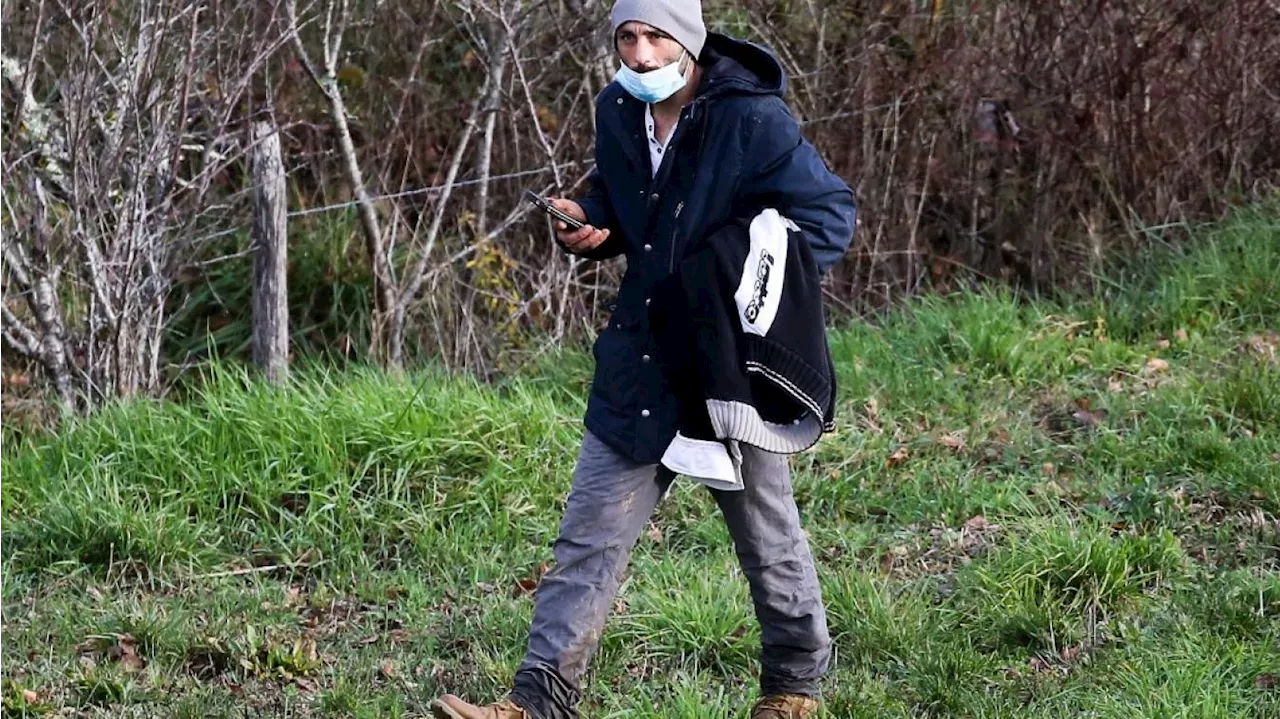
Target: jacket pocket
[(617, 352)]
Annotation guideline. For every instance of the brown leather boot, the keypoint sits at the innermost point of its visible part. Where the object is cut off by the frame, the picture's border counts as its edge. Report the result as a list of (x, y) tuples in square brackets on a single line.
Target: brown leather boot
[(785, 706), (452, 707)]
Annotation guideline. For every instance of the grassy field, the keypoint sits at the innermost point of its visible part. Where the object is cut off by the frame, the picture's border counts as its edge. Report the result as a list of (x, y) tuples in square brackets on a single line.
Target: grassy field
[(1030, 509)]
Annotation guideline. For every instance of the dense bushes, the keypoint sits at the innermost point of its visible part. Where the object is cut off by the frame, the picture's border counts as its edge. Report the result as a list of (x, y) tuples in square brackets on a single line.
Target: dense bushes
[(1019, 141), (1009, 140)]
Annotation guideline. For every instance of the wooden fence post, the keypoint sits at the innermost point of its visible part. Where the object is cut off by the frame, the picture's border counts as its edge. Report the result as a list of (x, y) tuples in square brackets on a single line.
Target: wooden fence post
[(270, 254)]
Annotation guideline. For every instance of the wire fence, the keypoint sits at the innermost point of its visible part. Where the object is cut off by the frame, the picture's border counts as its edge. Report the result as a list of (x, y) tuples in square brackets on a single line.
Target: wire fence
[(418, 191)]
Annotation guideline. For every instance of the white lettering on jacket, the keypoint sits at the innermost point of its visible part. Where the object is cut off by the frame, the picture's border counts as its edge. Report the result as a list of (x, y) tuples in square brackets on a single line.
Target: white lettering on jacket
[(760, 288)]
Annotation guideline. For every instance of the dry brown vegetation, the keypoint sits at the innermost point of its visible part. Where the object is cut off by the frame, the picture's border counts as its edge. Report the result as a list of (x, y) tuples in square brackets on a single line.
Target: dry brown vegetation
[(1010, 140)]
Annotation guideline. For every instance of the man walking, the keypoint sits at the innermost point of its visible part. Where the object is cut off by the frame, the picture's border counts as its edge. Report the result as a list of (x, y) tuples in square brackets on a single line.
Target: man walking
[(693, 133)]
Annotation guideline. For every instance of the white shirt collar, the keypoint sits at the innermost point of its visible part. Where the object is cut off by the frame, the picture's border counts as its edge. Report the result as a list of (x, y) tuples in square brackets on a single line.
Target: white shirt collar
[(656, 149)]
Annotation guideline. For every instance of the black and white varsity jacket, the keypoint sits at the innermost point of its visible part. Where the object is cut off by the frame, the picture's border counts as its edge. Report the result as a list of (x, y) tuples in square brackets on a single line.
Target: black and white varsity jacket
[(741, 336)]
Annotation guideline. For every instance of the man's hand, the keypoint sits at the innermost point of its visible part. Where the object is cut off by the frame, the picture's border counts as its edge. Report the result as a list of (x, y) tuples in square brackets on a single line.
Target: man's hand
[(581, 240)]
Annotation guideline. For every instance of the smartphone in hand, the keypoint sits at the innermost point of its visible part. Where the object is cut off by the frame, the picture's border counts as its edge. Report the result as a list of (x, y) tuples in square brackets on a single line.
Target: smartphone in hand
[(545, 205)]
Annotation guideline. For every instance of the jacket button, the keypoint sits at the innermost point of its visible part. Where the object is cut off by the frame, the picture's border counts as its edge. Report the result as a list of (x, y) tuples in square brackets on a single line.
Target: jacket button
[(644, 413), (645, 359), (620, 101), (646, 302), (654, 197), (648, 248)]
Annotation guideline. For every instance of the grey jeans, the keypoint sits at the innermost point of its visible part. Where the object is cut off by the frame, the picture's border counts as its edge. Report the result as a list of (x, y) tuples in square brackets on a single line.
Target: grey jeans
[(609, 504)]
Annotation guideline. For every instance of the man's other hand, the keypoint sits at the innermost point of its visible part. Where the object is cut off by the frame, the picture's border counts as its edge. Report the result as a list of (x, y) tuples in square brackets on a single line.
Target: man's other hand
[(586, 238)]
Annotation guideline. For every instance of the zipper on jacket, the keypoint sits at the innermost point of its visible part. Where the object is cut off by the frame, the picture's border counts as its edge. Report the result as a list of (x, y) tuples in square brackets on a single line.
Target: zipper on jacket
[(661, 178), (675, 234)]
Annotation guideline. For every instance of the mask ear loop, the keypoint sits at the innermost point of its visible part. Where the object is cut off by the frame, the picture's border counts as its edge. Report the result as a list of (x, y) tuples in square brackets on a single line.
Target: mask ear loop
[(686, 62)]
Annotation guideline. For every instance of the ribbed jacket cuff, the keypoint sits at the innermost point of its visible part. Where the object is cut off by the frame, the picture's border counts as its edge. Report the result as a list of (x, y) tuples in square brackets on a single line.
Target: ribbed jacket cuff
[(741, 421)]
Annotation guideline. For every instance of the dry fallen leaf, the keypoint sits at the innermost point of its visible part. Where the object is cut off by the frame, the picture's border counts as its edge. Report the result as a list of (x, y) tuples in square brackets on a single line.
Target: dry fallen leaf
[(976, 523), (1115, 386), (308, 557), (30, 697), (529, 584), (1087, 418), (125, 651), (886, 563), (1155, 364), (897, 457), (871, 416), (1266, 682), (1263, 346), (872, 408), (1162, 344), (1069, 654), (1180, 334), (1049, 469), (655, 534), (388, 669), (952, 440)]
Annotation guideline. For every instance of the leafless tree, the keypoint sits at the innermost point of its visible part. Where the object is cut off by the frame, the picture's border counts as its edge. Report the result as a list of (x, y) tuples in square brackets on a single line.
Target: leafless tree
[(996, 140), (493, 29), (337, 14), (120, 173)]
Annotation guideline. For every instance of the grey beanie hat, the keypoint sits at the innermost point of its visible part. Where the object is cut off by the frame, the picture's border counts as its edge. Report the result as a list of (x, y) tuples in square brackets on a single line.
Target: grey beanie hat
[(681, 19)]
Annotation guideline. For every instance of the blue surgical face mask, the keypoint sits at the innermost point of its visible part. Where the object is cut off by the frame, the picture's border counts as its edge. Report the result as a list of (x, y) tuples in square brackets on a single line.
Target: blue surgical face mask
[(653, 86)]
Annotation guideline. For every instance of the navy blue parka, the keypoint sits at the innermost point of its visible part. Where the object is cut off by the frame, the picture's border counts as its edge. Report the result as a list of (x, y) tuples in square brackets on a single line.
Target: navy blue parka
[(736, 149)]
